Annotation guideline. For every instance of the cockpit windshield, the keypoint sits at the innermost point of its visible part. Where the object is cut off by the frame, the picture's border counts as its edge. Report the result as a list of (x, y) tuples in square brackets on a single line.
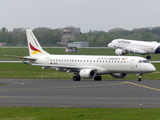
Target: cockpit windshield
[(143, 61)]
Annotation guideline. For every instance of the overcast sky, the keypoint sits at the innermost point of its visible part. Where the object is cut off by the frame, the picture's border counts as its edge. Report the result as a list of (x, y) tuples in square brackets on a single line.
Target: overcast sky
[(86, 14)]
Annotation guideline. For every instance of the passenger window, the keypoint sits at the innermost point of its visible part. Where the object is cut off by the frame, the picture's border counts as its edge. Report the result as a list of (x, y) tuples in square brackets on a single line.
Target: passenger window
[(140, 61)]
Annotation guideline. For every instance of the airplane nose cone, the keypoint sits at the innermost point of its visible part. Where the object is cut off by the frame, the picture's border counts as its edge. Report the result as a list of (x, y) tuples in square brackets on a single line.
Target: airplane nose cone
[(151, 68), (109, 45)]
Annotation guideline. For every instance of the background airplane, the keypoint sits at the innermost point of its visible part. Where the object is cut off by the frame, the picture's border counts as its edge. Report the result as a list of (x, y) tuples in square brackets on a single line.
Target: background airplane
[(86, 66), (123, 46)]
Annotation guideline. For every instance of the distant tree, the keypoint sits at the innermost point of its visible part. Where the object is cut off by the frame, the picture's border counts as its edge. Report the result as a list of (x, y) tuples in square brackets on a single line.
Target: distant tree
[(3, 34), (47, 36), (4, 29)]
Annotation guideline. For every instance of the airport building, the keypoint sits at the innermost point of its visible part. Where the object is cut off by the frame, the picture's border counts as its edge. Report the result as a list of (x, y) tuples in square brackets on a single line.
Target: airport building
[(68, 34), (78, 44)]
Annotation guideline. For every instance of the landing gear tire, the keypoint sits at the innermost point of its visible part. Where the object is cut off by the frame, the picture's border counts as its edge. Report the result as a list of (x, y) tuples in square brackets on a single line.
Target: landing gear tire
[(76, 78), (148, 57), (97, 78), (139, 79)]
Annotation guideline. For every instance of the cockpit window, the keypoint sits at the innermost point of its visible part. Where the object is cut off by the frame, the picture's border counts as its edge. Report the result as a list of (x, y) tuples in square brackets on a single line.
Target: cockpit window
[(143, 61)]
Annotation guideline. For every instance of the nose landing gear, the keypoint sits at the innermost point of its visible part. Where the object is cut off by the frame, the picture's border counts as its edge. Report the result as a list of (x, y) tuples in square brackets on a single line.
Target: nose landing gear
[(139, 77)]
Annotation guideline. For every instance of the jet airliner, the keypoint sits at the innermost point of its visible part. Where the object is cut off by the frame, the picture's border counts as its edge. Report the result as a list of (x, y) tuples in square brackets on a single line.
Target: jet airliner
[(86, 66), (123, 46)]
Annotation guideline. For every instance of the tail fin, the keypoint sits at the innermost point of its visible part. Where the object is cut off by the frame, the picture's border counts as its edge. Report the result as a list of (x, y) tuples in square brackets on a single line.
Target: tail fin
[(33, 44)]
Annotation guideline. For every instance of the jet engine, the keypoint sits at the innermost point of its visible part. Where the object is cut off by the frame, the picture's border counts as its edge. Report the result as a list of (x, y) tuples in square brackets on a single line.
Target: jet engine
[(87, 73), (120, 52), (119, 75)]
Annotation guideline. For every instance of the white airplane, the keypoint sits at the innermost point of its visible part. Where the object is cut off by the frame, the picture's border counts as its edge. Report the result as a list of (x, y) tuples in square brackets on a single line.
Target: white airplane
[(123, 46), (86, 66)]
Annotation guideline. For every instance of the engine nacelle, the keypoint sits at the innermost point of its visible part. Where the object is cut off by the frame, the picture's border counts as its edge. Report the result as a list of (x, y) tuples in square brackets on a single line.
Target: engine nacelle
[(119, 75), (87, 73), (120, 52)]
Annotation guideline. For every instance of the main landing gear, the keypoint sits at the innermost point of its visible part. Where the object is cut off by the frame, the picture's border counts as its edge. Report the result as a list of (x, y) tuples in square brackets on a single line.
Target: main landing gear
[(97, 78), (148, 57), (78, 78)]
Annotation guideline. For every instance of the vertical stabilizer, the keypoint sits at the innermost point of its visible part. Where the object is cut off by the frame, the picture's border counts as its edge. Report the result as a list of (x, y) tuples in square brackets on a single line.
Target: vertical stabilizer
[(33, 44)]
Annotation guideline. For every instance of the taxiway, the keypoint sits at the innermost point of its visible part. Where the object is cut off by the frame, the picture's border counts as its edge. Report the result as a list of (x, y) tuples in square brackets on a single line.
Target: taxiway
[(85, 93)]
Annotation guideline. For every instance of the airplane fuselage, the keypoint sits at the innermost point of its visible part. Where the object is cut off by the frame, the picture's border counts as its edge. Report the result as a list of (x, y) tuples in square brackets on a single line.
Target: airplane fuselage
[(101, 64), (141, 47)]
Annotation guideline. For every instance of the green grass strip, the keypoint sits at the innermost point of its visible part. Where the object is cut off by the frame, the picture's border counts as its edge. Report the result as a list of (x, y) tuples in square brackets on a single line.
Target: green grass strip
[(28, 113)]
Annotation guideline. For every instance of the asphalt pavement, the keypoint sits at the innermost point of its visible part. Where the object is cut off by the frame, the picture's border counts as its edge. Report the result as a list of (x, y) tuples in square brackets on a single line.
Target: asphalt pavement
[(85, 93)]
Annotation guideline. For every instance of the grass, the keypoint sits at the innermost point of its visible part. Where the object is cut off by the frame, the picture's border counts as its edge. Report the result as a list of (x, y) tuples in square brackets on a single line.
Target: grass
[(25, 113), (82, 51)]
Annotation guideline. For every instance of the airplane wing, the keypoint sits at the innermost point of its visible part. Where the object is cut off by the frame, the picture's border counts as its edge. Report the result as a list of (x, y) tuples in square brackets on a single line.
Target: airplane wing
[(135, 50), (65, 67)]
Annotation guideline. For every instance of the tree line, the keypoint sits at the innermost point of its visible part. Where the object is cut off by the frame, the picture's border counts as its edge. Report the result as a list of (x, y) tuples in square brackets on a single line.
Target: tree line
[(50, 37)]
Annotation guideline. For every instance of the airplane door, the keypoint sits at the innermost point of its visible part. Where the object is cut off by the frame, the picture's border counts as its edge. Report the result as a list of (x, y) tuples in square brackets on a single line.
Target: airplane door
[(47, 60), (132, 62)]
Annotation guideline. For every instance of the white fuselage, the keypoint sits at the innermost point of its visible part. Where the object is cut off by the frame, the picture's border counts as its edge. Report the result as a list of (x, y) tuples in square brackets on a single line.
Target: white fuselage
[(134, 46), (102, 64)]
